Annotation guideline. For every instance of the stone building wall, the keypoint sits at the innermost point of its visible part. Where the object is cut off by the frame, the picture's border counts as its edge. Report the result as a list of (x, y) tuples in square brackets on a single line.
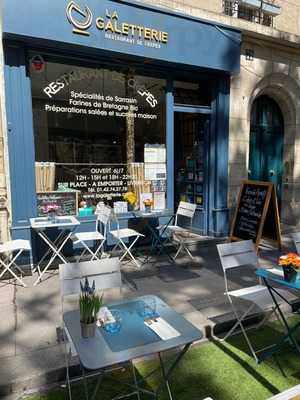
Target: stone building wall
[(4, 203), (287, 21), (274, 71)]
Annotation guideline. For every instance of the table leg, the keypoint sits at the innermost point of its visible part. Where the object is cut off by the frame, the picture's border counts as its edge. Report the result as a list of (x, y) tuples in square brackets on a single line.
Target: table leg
[(166, 376), (49, 249), (290, 331), (55, 250), (135, 381), (167, 373)]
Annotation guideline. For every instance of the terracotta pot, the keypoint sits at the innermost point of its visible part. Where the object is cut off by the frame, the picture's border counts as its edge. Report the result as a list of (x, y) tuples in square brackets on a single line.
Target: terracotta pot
[(88, 330)]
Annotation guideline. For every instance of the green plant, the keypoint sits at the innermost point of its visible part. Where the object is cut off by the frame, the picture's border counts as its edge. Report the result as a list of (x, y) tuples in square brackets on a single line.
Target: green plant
[(89, 303)]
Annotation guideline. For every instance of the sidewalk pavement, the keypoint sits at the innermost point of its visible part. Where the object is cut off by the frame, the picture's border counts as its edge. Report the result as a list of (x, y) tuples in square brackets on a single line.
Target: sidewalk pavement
[(30, 353)]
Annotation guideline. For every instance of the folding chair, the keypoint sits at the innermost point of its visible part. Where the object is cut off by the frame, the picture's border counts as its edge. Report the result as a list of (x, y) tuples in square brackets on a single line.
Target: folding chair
[(107, 275), (10, 251), (122, 236), (103, 214), (242, 254), (296, 240), (180, 234)]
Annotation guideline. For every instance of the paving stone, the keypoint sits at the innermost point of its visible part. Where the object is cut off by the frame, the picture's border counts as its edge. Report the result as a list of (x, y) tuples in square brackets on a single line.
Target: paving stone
[(7, 331)]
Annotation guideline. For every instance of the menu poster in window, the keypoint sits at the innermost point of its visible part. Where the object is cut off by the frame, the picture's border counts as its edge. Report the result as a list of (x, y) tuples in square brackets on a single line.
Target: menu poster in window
[(67, 202), (159, 185), (96, 182), (155, 171), (256, 215), (155, 153), (159, 200)]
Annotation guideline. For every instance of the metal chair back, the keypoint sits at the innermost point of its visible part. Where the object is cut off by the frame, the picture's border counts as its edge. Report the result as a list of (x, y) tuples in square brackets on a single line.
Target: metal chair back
[(106, 274), (296, 240), (237, 254), (103, 217), (186, 210)]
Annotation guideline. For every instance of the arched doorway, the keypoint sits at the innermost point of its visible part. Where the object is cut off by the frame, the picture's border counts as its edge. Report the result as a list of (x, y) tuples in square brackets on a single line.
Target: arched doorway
[(266, 143)]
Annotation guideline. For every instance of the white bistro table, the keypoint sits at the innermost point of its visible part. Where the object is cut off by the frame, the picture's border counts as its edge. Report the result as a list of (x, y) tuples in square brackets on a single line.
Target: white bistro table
[(66, 225)]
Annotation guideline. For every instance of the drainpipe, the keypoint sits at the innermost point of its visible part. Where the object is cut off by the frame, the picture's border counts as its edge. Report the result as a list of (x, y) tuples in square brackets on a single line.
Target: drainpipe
[(4, 169)]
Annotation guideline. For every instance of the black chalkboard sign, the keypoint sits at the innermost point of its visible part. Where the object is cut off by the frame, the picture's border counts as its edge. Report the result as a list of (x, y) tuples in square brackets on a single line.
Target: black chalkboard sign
[(66, 201), (256, 215)]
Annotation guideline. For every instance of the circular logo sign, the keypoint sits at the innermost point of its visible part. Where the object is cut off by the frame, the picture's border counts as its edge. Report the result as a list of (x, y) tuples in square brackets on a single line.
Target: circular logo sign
[(37, 63)]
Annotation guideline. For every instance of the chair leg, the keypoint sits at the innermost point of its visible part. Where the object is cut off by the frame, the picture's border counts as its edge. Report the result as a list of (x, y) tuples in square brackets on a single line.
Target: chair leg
[(237, 322), (99, 248), (127, 251), (81, 255), (249, 343), (244, 332), (86, 250), (188, 251), (178, 251), (7, 268)]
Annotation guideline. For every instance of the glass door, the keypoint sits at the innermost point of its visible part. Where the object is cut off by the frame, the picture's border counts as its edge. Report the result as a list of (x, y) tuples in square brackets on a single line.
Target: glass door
[(191, 153)]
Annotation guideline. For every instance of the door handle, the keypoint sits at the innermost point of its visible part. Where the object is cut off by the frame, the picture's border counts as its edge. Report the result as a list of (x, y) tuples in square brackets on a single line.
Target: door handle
[(272, 172)]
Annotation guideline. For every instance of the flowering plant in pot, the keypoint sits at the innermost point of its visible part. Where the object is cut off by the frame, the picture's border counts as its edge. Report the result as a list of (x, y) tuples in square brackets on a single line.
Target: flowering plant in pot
[(131, 199), (51, 210), (89, 306), (148, 204), (290, 264)]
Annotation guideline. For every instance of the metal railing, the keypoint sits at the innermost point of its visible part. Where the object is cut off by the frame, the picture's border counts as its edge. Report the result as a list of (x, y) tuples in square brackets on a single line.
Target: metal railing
[(233, 8)]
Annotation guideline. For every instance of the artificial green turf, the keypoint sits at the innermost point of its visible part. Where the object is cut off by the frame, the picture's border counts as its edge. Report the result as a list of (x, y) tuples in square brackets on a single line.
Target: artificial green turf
[(221, 370)]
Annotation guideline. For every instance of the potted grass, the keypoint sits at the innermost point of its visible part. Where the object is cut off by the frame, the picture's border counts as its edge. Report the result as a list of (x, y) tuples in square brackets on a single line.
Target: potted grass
[(89, 306)]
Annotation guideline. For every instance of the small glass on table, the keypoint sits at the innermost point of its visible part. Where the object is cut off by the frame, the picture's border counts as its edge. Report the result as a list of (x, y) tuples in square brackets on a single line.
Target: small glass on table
[(113, 324), (147, 308)]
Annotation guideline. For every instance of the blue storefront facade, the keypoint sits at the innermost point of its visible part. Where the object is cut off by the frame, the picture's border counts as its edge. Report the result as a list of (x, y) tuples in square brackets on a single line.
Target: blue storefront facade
[(72, 68)]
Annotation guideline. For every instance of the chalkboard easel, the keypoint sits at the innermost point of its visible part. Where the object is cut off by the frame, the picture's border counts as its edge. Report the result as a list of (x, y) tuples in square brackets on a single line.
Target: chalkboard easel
[(67, 202), (256, 214)]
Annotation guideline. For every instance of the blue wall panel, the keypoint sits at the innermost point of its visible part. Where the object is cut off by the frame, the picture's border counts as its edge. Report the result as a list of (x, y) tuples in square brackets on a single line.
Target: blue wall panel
[(20, 137), (170, 144), (218, 160)]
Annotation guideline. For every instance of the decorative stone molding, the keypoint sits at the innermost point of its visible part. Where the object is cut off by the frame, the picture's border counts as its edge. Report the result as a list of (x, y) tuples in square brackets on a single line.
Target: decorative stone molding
[(3, 202)]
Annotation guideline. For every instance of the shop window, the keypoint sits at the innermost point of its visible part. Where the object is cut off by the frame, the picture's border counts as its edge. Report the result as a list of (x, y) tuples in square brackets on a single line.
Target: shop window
[(198, 94), (99, 131), (191, 137)]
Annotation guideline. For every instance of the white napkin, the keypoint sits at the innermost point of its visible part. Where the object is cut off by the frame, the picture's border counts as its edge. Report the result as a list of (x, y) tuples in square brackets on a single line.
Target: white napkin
[(104, 316), (164, 330), (276, 271)]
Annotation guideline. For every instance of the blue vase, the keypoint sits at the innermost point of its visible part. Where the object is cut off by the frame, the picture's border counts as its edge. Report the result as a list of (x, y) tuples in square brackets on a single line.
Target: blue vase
[(52, 217)]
